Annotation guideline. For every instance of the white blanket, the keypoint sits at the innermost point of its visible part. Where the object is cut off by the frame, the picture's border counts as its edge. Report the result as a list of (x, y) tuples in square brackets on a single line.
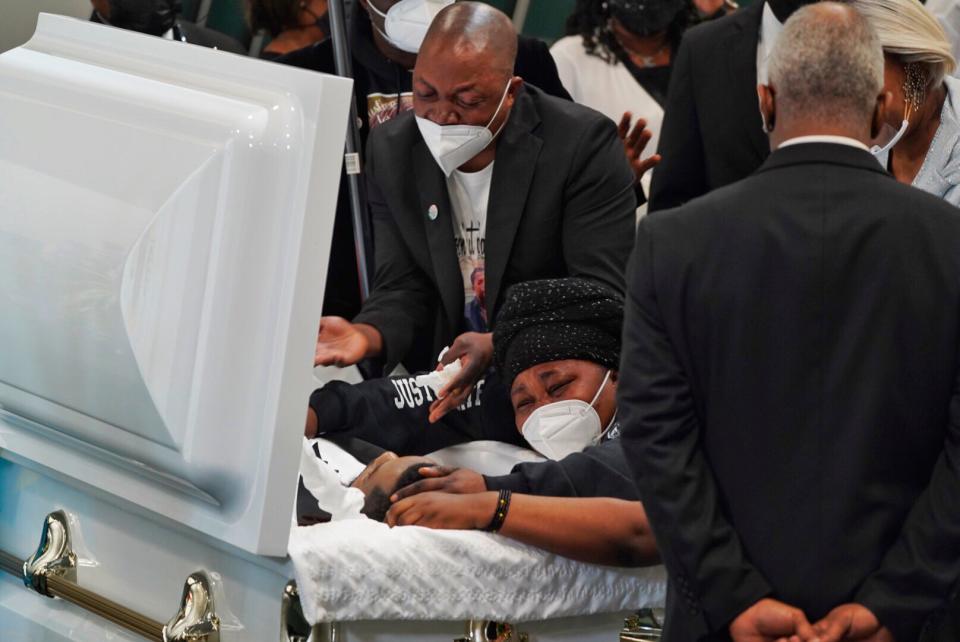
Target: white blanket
[(354, 568), (359, 569)]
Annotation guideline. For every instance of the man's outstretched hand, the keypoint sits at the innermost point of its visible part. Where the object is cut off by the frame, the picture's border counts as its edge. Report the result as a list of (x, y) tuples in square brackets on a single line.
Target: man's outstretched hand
[(341, 343), (772, 621)]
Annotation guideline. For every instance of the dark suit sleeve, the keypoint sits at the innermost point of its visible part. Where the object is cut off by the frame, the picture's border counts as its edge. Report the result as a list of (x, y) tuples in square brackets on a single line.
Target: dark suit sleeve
[(681, 174), (598, 471), (600, 207), (661, 440), (919, 572), (402, 294), (537, 67)]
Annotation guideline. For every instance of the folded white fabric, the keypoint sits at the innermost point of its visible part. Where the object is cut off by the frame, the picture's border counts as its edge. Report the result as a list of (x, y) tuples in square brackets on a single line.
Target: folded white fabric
[(360, 569)]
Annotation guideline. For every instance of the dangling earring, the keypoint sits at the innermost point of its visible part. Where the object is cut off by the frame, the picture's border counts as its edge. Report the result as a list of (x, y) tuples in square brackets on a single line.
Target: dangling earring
[(914, 87)]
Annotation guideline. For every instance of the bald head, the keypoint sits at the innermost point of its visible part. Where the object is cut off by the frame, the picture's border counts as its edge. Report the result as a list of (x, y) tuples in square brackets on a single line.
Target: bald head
[(827, 65), (474, 32)]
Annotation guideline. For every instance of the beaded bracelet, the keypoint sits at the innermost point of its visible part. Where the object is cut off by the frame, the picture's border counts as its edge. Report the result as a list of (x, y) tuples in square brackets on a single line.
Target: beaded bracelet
[(500, 514)]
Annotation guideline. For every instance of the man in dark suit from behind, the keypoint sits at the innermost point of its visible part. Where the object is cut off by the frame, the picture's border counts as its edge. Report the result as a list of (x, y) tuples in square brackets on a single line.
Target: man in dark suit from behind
[(789, 384), (712, 133), (484, 172), (159, 18)]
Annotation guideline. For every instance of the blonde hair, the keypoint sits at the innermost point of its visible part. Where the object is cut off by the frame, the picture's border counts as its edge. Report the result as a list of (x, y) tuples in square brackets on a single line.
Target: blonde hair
[(907, 30)]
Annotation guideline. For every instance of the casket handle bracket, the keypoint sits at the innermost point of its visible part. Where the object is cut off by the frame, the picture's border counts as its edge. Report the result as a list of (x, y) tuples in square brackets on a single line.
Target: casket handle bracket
[(646, 625), (490, 631), (54, 557), (197, 620), (293, 625)]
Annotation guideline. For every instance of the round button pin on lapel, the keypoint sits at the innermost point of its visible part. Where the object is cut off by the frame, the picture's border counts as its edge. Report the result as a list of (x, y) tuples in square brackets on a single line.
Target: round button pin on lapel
[(432, 212)]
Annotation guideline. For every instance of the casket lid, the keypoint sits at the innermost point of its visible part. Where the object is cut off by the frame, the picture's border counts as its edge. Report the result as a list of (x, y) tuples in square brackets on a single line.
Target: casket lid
[(165, 221)]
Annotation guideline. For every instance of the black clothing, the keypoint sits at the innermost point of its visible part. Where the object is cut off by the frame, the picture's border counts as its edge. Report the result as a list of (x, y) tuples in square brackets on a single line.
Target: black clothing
[(654, 80), (186, 31), (391, 413), (598, 471), (789, 393), (196, 35), (712, 131), (379, 86), (561, 204)]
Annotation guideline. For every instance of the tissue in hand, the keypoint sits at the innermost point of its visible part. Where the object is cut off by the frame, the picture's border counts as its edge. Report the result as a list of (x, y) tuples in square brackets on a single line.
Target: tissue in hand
[(438, 379)]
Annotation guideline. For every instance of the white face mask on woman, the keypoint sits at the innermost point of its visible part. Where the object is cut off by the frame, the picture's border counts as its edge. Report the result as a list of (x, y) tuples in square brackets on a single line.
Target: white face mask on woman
[(454, 145), (561, 428), (405, 24)]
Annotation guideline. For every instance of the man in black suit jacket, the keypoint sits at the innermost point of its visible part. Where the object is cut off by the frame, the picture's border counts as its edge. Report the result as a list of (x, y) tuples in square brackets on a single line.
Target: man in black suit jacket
[(560, 199), (712, 134), (789, 387), (382, 85)]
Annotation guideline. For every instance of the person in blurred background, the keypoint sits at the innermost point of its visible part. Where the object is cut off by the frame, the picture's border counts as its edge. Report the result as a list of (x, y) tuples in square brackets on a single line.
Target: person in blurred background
[(921, 143), (160, 18), (291, 24), (618, 55)]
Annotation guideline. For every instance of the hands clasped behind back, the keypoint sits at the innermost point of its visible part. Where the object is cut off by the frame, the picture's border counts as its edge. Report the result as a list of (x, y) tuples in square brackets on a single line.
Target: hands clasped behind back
[(770, 620)]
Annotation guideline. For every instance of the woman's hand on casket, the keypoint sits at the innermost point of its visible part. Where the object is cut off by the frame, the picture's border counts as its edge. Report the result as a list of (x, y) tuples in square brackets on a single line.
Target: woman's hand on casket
[(475, 351), (444, 511), (444, 479)]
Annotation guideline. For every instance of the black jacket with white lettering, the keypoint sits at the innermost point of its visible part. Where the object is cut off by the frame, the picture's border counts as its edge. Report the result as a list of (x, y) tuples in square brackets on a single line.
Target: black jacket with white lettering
[(391, 413)]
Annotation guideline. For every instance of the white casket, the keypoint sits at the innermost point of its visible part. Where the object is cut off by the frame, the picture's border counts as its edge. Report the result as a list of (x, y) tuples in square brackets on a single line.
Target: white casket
[(165, 221)]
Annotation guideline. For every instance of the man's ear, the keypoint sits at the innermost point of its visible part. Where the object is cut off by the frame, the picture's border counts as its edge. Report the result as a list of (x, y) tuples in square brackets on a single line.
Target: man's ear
[(515, 84), (767, 96), (880, 113)]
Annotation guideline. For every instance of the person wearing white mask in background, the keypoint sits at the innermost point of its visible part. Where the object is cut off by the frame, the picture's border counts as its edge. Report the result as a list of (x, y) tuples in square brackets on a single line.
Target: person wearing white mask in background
[(487, 172), (384, 38), (557, 348), (921, 142)]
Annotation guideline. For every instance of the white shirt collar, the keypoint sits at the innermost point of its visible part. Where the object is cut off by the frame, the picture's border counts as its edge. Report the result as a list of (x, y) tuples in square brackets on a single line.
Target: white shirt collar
[(836, 140)]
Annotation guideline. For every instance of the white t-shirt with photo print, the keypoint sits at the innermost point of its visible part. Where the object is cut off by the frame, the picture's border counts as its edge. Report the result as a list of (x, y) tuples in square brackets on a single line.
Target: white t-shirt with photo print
[(469, 196)]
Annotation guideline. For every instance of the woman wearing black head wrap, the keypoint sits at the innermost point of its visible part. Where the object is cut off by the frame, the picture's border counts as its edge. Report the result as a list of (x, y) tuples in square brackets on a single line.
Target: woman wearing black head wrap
[(556, 347)]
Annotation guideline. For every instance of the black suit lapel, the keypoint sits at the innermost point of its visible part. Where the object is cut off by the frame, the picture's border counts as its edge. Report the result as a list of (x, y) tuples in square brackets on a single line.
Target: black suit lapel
[(432, 191), (742, 42), (516, 160)]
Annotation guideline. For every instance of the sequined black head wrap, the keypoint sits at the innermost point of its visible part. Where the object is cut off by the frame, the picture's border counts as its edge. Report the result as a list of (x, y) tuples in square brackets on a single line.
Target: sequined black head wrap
[(557, 319)]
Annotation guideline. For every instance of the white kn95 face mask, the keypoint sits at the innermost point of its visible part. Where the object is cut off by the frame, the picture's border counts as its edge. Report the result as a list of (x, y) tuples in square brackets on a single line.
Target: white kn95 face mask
[(454, 145), (405, 24), (561, 428)]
